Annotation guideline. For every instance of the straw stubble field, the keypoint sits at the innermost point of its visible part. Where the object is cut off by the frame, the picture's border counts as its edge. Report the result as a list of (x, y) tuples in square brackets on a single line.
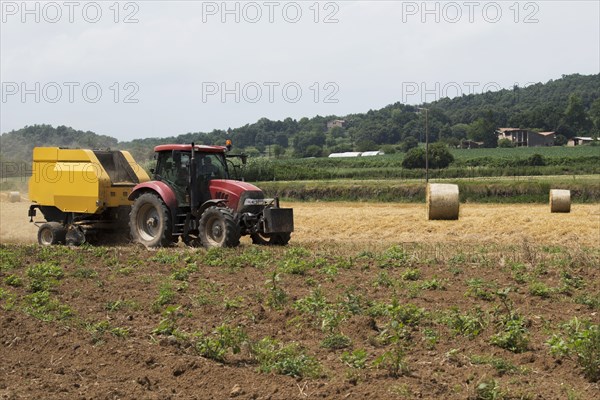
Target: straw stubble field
[(370, 224), (368, 301)]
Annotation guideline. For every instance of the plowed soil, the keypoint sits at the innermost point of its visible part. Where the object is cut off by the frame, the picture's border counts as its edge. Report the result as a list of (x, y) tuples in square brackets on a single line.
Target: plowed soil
[(96, 336)]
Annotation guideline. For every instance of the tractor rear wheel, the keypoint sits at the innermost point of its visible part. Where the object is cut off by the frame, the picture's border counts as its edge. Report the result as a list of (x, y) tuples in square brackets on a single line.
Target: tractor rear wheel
[(51, 233), (218, 228), (273, 239), (150, 222)]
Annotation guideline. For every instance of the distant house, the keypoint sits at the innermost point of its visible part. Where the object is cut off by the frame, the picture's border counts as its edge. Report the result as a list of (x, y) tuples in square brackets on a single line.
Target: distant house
[(526, 137), (579, 140), (336, 123), (470, 144)]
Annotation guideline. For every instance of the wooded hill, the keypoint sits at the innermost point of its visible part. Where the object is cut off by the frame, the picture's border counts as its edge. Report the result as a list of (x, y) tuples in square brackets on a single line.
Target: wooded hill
[(569, 105)]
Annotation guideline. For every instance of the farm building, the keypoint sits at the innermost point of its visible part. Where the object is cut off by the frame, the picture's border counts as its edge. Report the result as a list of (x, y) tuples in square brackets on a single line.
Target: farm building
[(336, 123), (526, 138), (346, 154), (579, 140), (372, 153), (357, 154)]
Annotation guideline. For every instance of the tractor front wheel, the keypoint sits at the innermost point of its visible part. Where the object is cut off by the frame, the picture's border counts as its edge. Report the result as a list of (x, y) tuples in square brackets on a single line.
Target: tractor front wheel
[(51, 233), (149, 221), (218, 228), (272, 239)]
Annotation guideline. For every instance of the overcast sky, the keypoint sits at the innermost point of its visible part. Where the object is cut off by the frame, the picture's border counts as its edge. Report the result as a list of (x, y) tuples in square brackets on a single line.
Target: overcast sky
[(156, 68)]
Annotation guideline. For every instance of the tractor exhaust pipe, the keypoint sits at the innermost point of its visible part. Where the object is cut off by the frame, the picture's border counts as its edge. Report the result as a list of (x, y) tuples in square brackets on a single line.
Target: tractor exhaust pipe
[(192, 182)]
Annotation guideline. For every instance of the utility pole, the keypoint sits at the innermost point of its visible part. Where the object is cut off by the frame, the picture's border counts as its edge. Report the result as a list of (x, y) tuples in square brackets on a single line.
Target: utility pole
[(426, 142)]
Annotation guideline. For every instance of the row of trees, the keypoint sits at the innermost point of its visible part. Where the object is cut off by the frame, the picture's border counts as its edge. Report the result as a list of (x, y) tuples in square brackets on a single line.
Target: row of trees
[(570, 106)]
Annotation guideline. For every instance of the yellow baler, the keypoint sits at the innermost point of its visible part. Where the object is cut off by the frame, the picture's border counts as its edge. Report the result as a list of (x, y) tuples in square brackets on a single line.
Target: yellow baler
[(81, 191)]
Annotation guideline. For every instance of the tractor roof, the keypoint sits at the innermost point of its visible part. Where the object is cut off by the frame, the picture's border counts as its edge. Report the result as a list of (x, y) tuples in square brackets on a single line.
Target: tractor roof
[(188, 147)]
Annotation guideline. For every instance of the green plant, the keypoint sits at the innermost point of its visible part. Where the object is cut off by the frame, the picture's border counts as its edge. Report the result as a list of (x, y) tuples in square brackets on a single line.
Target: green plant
[(406, 314), (236, 302), (357, 359), (9, 258), (589, 299), (120, 305), (13, 280), (8, 298), (336, 341), (383, 280), (41, 306), (180, 274), (273, 356), (164, 256), (512, 332), (430, 336), (168, 325), (488, 389), (582, 339), (469, 324), (43, 276), (98, 330), (539, 289), (223, 339), (85, 273), (166, 295), (479, 289), (394, 256), (277, 296), (313, 303), (411, 274), (433, 284), (501, 365), (393, 361)]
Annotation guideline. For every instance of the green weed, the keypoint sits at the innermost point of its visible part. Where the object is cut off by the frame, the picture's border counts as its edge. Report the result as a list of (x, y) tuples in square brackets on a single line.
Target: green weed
[(168, 325), (277, 297), (582, 339), (275, 357), (501, 365), (166, 295), (469, 325), (43, 276), (14, 280), (41, 306), (488, 389), (336, 341), (222, 340)]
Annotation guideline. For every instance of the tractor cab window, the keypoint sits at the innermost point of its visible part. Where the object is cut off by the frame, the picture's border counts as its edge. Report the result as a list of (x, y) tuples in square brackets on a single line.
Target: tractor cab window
[(211, 166), (173, 168)]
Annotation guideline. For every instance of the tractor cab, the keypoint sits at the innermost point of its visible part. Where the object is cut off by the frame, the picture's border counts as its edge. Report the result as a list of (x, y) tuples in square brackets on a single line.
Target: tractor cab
[(174, 167)]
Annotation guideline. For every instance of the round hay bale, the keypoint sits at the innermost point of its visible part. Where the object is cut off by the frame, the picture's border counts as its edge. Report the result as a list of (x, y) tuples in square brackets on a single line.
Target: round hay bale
[(442, 201), (560, 201), (14, 197)]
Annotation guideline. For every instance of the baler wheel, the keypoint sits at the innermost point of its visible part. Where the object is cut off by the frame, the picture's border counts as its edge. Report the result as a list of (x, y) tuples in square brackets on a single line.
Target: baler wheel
[(218, 228), (51, 233), (149, 221)]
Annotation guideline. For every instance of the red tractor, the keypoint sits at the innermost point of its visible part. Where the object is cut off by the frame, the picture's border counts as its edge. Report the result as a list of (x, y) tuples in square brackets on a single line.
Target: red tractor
[(191, 197)]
